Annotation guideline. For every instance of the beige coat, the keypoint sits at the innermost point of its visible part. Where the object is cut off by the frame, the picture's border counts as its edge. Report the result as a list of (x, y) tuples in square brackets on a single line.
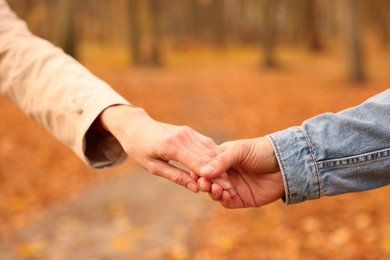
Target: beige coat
[(56, 91)]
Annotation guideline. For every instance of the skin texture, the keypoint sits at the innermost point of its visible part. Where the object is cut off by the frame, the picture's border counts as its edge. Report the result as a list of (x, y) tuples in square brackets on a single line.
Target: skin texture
[(253, 170), (154, 145)]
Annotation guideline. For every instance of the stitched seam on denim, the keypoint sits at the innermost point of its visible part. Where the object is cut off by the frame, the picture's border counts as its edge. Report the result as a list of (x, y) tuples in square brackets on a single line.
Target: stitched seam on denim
[(355, 160), (314, 162), (281, 165)]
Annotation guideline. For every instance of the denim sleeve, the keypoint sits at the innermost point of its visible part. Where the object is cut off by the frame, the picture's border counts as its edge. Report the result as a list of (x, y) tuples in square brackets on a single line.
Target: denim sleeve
[(336, 153)]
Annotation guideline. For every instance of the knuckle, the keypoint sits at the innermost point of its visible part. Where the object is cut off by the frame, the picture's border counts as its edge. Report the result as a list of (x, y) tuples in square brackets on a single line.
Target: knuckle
[(218, 161), (198, 163), (228, 144), (169, 147), (183, 131), (208, 141), (208, 155), (170, 153), (185, 128), (153, 167), (176, 177), (170, 140)]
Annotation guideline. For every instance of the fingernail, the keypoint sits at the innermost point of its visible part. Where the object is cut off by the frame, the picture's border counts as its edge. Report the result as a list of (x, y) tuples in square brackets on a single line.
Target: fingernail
[(192, 187), (233, 192), (206, 170), (226, 184)]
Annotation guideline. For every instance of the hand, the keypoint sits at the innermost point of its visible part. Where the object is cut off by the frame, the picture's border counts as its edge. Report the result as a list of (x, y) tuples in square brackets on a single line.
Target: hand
[(153, 144), (252, 168)]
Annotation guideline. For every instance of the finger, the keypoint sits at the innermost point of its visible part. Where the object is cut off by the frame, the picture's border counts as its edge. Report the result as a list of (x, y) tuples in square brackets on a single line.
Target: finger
[(223, 182), (172, 173), (202, 145), (220, 164), (205, 143), (194, 176), (204, 185), (226, 196), (231, 190), (185, 156), (196, 143), (209, 143), (187, 150), (198, 150), (231, 202), (216, 192)]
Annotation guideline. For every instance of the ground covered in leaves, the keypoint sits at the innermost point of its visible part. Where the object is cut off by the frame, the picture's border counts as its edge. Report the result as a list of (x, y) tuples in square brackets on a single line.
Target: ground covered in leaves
[(226, 95)]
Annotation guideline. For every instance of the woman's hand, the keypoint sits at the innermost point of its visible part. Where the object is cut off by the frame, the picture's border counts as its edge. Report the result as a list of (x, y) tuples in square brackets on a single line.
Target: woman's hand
[(154, 144)]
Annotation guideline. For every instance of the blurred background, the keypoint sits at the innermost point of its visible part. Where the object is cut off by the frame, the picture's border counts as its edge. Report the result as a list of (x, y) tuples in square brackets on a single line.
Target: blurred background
[(229, 69)]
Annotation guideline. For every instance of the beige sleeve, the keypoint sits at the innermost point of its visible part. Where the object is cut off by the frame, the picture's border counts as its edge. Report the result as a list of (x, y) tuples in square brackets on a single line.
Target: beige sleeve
[(56, 91)]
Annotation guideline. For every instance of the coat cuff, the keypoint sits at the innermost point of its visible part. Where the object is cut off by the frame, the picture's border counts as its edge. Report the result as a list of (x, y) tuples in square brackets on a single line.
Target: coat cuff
[(297, 164), (99, 150)]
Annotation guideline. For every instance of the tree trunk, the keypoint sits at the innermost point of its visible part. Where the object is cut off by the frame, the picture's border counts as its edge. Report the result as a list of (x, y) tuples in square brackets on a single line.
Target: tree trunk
[(156, 21), (383, 21), (135, 31), (352, 41), (310, 22), (267, 9), (218, 14), (65, 35)]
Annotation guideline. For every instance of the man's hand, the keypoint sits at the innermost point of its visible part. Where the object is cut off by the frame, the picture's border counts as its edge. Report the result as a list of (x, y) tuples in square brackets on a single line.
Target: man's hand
[(252, 168), (154, 144)]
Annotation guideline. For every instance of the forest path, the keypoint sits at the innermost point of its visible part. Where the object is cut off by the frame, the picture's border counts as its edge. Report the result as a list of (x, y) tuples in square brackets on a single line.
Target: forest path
[(133, 215)]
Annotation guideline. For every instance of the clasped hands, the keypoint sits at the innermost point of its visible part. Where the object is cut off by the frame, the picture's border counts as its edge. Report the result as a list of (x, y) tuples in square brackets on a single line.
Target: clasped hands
[(238, 174)]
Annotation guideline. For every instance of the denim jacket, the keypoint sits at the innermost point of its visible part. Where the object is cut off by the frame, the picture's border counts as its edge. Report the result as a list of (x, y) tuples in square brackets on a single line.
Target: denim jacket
[(335, 153)]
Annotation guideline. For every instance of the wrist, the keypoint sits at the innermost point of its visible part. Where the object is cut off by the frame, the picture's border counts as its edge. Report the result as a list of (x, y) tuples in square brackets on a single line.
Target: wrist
[(115, 119), (269, 153)]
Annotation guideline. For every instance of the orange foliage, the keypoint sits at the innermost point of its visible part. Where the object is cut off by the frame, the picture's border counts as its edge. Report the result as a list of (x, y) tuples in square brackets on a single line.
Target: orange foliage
[(226, 95)]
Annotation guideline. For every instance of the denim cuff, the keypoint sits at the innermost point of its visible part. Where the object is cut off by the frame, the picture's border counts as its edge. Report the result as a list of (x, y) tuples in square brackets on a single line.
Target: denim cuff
[(297, 164)]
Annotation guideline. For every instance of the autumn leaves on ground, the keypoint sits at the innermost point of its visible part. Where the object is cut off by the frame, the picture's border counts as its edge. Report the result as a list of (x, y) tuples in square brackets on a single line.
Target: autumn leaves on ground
[(226, 95)]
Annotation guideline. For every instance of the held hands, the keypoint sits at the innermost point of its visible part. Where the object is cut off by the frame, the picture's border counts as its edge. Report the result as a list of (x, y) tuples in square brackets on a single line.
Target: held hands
[(238, 174)]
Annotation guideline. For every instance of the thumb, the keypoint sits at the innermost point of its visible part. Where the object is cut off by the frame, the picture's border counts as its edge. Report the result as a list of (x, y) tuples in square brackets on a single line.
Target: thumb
[(220, 163)]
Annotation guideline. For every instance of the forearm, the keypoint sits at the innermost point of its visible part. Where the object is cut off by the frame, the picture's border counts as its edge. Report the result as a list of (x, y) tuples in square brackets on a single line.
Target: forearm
[(332, 154)]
